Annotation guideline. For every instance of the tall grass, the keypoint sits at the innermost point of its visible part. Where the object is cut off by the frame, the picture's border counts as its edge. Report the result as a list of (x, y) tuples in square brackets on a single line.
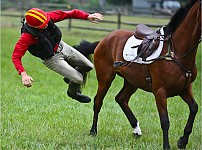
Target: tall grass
[(44, 118)]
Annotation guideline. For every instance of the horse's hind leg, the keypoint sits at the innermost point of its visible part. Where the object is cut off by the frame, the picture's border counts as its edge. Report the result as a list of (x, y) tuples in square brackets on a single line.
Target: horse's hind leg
[(104, 82), (193, 108), (122, 99)]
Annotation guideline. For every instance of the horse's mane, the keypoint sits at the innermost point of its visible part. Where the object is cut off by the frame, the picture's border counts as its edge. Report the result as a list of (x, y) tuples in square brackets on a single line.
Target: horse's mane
[(178, 17)]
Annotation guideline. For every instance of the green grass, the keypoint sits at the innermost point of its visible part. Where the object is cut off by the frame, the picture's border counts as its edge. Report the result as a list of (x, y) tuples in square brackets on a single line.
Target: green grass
[(44, 118)]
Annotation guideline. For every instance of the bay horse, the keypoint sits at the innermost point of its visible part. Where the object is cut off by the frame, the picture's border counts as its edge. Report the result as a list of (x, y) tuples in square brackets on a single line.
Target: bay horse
[(170, 75)]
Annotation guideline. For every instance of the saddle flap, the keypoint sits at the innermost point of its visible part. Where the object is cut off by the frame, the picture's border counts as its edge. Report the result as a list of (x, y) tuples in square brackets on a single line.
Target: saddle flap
[(149, 45)]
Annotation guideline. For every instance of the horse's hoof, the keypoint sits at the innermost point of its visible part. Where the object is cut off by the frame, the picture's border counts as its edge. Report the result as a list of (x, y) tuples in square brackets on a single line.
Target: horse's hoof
[(93, 133), (166, 147), (137, 131), (136, 136), (182, 143)]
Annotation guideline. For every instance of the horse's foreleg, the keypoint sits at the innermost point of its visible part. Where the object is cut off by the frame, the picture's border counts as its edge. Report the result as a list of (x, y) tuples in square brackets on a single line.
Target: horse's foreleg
[(193, 108), (122, 99), (161, 102)]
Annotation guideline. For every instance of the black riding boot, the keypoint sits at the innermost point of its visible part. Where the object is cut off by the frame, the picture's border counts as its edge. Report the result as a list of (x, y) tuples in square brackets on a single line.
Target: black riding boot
[(66, 80), (75, 93)]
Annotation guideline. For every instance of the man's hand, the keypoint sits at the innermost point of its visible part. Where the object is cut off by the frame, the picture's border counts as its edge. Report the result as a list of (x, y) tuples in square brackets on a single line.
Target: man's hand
[(26, 80), (95, 17)]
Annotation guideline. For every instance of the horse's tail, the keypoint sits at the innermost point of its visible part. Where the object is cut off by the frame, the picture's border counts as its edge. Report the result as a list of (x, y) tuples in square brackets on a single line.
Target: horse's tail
[(86, 48)]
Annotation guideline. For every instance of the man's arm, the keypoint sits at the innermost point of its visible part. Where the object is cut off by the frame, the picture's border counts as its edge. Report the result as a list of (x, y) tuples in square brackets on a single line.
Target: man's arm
[(19, 51), (59, 15)]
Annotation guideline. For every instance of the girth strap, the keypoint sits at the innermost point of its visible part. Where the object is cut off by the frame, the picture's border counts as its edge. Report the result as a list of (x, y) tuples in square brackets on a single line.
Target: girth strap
[(148, 76)]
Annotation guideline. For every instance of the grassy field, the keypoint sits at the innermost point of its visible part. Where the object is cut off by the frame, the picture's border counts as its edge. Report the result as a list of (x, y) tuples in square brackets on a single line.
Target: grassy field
[(44, 118)]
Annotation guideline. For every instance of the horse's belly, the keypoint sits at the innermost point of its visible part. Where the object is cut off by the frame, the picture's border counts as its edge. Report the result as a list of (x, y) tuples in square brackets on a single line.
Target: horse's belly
[(136, 76), (173, 83)]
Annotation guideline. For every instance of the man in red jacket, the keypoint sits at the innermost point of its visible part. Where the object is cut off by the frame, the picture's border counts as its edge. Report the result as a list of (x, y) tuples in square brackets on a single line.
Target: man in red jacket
[(42, 38)]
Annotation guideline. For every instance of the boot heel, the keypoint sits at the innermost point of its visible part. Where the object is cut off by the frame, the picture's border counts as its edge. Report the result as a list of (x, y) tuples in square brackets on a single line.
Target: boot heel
[(79, 97)]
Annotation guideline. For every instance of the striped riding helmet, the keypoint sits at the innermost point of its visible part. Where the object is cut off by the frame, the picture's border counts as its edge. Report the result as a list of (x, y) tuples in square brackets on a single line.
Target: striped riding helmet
[(37, 18)]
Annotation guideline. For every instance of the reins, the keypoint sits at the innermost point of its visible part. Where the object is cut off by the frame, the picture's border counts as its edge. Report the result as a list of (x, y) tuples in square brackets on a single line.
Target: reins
[(175, 59), (187, 53)]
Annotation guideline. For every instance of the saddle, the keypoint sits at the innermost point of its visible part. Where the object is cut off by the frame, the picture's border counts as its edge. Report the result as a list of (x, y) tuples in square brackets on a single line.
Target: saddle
[(150, 40)]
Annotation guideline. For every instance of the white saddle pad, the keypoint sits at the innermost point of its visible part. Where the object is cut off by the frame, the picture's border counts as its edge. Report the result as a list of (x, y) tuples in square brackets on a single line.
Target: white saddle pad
[(130, 53)]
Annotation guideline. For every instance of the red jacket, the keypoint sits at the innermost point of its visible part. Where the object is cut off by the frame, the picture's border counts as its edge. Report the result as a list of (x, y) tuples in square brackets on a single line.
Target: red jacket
[(26, 39)]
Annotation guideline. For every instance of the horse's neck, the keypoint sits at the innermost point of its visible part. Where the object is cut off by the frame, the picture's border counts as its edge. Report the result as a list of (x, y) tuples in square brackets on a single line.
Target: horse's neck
[(186, 36)]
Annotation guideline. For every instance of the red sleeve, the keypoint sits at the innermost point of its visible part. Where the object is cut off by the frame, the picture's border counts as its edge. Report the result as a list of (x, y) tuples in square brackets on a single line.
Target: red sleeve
[(59, 15), (20, 48)]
